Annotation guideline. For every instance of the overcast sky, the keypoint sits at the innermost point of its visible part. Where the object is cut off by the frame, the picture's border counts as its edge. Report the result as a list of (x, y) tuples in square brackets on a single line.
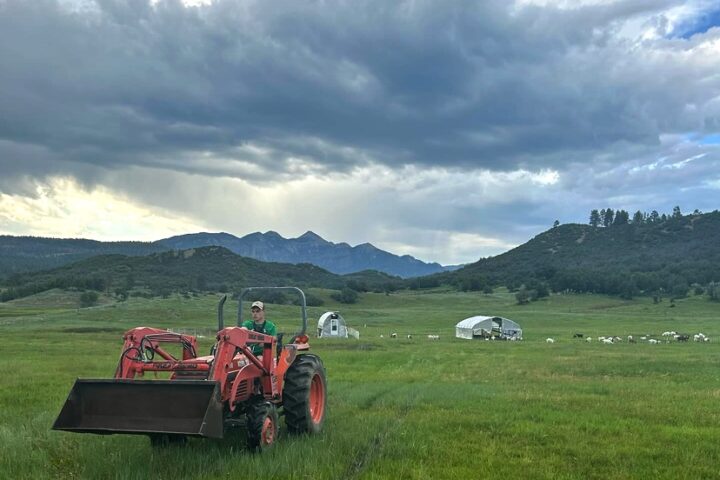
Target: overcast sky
[(447, 130)]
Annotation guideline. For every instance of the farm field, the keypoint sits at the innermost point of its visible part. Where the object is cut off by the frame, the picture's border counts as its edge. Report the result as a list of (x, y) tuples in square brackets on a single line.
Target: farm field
[(399, 408)]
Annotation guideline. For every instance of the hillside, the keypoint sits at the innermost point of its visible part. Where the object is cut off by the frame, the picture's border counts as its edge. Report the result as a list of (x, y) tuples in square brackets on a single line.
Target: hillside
[(620, 259), (27, 254), (201, 269)]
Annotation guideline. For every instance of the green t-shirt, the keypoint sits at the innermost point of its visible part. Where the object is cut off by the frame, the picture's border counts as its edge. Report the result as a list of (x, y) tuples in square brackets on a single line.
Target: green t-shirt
[(267, 327)]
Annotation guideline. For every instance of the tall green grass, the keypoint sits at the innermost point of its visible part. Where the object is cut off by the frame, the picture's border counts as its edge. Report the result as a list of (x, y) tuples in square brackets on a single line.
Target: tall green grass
[(400, 408)]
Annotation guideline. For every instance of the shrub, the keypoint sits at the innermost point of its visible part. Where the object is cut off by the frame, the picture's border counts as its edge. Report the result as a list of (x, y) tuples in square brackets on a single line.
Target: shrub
[(346, 295), (713, 291), (523, 295), (310, 300), (88, 299)]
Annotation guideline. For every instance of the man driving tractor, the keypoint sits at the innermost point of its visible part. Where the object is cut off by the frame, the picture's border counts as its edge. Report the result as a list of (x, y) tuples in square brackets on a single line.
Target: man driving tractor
[(259, 324)]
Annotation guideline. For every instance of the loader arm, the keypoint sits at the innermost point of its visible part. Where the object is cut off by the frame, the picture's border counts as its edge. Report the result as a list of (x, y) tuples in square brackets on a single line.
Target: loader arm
[(138, 342)]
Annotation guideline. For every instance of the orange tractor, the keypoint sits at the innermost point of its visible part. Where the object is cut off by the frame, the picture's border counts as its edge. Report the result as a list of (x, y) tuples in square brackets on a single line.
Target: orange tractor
[(205, 396)]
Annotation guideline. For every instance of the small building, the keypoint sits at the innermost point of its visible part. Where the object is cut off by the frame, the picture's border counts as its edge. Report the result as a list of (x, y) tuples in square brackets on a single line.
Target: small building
[(486, 327), (332, 324)]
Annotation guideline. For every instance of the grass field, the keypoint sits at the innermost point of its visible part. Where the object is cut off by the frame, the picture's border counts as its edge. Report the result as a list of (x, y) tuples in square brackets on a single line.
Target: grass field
[(400, 408)]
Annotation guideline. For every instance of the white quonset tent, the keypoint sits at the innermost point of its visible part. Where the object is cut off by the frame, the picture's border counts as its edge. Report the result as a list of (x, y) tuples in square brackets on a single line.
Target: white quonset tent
[(485, 327), (332, 324)]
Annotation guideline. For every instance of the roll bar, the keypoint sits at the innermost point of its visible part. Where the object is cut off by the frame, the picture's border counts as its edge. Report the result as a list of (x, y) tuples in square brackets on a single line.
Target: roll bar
[(303, 306)]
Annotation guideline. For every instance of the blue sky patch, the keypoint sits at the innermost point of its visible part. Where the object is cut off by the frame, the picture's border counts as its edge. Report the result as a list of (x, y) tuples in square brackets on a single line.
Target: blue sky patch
[(713, 139), (700, 24)]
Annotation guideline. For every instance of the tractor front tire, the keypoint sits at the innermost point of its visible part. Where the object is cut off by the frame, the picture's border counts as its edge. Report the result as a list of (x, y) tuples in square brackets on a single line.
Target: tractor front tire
[(262, 426), (305, 395)]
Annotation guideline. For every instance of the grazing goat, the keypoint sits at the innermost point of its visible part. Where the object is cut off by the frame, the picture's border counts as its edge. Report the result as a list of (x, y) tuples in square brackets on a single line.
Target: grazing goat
[(608, 341), (588, 339), (652, 341), (393, 335), (578, 335), (409, 337), (550, 340)]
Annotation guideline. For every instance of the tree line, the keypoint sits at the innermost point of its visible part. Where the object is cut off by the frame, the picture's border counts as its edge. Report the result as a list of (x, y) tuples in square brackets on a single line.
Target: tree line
[(607, 217)]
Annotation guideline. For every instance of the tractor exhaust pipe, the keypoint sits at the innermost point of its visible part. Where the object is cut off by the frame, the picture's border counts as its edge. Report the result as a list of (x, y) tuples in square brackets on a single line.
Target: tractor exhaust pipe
[(183, 407)]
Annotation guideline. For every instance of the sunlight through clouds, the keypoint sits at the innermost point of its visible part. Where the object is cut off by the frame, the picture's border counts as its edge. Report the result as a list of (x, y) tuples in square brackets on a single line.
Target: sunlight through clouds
[(62, 208)]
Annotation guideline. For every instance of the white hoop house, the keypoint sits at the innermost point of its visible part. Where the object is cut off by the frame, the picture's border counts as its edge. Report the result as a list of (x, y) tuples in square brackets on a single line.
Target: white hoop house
[(486, 327)]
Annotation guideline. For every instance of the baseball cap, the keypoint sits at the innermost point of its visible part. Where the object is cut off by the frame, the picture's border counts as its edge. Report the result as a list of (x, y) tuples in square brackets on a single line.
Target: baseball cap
[(258, 304)]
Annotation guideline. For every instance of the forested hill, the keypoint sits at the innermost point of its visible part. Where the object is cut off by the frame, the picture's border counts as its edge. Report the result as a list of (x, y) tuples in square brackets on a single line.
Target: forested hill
[(201, 269), (628, 259), (26, 254)]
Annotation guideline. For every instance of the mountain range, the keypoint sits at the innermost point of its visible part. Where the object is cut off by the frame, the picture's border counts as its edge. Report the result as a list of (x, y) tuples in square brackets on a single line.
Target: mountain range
[(668, 257), (26, 254)]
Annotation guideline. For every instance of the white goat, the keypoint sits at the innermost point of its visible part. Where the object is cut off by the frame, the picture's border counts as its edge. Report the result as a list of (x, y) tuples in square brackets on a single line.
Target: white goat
[(550, 340), (608, 341), (588, 339)]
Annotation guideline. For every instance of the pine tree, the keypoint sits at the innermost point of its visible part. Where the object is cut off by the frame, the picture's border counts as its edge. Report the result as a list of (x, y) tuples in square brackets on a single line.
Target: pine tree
[(638, 218), (622, 217), (676, 212), (608, 218), (594, 218)]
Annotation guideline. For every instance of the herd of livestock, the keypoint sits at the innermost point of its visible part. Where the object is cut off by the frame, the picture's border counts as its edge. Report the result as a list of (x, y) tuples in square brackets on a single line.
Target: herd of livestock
[(667, 337)]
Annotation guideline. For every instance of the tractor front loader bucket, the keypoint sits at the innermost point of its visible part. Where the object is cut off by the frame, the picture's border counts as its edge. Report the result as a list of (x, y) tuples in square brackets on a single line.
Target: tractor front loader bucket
[(184, 407)]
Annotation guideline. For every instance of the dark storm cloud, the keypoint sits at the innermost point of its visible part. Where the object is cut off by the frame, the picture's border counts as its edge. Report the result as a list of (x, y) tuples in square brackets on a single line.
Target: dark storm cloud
[(462, 84)]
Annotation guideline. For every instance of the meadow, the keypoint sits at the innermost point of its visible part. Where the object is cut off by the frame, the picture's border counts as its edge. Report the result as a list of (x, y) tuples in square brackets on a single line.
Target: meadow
[(398, 408)]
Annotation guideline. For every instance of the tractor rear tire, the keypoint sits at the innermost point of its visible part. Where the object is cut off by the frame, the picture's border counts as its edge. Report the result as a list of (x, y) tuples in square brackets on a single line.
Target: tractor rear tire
[(305, 395), (262, 426)]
